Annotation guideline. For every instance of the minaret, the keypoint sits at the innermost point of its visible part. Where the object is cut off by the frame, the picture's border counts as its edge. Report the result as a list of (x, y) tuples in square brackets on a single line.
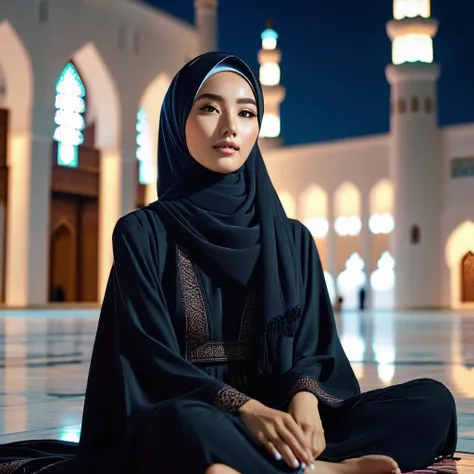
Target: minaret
[(415, 158), (269, 58), (206, 23)]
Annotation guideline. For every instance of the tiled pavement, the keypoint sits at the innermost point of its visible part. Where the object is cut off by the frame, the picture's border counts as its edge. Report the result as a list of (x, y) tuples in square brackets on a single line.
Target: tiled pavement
[(45, 355)]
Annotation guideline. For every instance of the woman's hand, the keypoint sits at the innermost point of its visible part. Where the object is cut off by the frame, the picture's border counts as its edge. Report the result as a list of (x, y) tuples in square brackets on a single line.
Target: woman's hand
[(304, 410), (278, 432)]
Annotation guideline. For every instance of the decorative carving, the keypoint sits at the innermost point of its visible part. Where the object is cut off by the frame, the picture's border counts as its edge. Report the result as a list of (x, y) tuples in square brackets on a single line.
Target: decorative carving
[(198, 346), (75, 181)]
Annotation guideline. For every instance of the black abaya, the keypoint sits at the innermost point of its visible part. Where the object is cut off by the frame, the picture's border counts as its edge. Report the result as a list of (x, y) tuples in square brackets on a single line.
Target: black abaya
[(174, 361)]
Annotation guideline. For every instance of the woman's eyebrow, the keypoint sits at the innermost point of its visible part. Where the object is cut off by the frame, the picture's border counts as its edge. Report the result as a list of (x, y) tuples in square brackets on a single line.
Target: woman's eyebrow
[(219, 98)]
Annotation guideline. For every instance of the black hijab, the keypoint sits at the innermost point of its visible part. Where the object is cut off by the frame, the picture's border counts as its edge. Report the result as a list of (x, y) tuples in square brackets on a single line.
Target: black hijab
[(233, 225)]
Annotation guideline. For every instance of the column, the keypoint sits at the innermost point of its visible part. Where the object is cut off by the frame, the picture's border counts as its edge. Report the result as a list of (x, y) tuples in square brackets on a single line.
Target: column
[(331, 239), (29, 200), (118, 188), (206, 23), (366, 246)]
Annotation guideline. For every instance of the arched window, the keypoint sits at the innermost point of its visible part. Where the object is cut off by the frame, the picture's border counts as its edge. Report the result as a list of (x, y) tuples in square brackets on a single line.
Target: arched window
[(415, 104), (415, 235), (347, 204), (70, 107), (144, 150)]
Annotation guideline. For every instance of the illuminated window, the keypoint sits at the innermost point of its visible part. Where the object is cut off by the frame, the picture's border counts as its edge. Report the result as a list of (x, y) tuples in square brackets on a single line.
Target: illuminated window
[(350, 281), (144, 153), (318, 227), (269, 39), (381, 223), (270, 74), (348, 225), (412, 48), (271, 126), (70, 106), (402, 105), (411, 9), (288, 203), (383, 279)]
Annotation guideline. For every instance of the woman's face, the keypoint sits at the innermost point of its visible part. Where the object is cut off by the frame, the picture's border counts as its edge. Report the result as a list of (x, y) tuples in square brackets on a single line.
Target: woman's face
[(222, 127)]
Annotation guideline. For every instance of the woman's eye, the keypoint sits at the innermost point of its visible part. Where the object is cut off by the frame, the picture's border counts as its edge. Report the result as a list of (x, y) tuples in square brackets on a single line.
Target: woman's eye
[(247, 114), (208, 108)]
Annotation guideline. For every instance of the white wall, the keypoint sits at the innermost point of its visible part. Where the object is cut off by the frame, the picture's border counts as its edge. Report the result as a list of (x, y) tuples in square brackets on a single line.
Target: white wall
[(458, 194), (120, 49), (362, 161)]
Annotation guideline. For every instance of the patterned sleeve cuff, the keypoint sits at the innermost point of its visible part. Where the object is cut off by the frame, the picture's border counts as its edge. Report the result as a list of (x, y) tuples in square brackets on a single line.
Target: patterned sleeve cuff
[(308, 384), (229, 399)]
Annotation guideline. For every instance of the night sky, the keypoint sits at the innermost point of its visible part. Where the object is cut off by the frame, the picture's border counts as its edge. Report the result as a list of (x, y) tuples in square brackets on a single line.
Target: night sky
[(334, 58)]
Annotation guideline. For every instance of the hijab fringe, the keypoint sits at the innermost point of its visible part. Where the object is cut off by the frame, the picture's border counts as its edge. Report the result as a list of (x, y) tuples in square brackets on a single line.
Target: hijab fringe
[(284, 325)]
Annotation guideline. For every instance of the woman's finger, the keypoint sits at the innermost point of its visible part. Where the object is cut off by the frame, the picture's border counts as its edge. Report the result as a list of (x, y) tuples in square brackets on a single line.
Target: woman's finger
[(284, 449), (270, 447), (318, 443), (274, 451), (296, 439)]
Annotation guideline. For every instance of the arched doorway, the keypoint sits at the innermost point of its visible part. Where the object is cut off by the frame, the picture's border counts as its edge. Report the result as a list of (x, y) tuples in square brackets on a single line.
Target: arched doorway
[(458, 255), (467, 278), (63, 264)]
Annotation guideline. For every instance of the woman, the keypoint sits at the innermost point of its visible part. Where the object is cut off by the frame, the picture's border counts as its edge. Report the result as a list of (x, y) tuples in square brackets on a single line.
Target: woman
[(217, 350)]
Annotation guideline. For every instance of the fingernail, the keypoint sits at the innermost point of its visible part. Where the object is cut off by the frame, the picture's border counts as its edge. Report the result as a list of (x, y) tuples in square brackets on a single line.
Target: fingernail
[(303, 465), (278, 456), (296, 463), (312, 467)]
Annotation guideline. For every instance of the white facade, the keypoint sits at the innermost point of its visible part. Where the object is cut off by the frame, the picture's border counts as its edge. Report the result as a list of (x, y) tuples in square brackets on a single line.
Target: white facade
[(349, 192), (127, 54)]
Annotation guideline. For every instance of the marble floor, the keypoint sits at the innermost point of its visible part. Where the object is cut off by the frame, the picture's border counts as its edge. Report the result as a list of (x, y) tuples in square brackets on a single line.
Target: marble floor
[(45, 356)]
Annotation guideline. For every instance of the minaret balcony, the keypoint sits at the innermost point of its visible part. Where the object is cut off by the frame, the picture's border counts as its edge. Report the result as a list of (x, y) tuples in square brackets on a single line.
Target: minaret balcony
[(412, 26)]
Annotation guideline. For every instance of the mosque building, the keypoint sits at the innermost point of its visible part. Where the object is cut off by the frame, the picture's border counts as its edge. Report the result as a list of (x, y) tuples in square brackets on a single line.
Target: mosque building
[(79, 117)]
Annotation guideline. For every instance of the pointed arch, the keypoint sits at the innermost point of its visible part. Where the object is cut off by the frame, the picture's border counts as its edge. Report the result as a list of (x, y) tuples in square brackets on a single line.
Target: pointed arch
[(103, 96), (150, 104), (347, 200), (314, 210), (347, 209), (18, 77), (458, 245), (288, 203)]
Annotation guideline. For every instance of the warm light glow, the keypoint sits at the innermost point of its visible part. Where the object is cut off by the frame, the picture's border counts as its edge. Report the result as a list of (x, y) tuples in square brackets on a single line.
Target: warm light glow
[(330, 285), (459, 243), (269, 39), (381, 223), (382, 198), (383, 279), (383, 345), (146, 173), (70, 106), (16, 288), (270, 74), (271, 126), (412, 48), (353, 342), (411, 9), (347, 201), (351, 280), (348, 225), (288, 203), (109, 212), (318, 226)]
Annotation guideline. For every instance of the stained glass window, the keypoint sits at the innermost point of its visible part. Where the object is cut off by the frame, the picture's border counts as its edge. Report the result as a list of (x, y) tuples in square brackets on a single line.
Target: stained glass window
[(70, 105)]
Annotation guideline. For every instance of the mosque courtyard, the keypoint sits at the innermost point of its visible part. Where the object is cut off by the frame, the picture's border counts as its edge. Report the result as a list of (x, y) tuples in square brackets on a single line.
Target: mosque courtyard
[(45, 356)]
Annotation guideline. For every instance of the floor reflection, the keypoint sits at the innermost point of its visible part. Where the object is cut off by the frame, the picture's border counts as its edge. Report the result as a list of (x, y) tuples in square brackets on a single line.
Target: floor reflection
[(45, 356)]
